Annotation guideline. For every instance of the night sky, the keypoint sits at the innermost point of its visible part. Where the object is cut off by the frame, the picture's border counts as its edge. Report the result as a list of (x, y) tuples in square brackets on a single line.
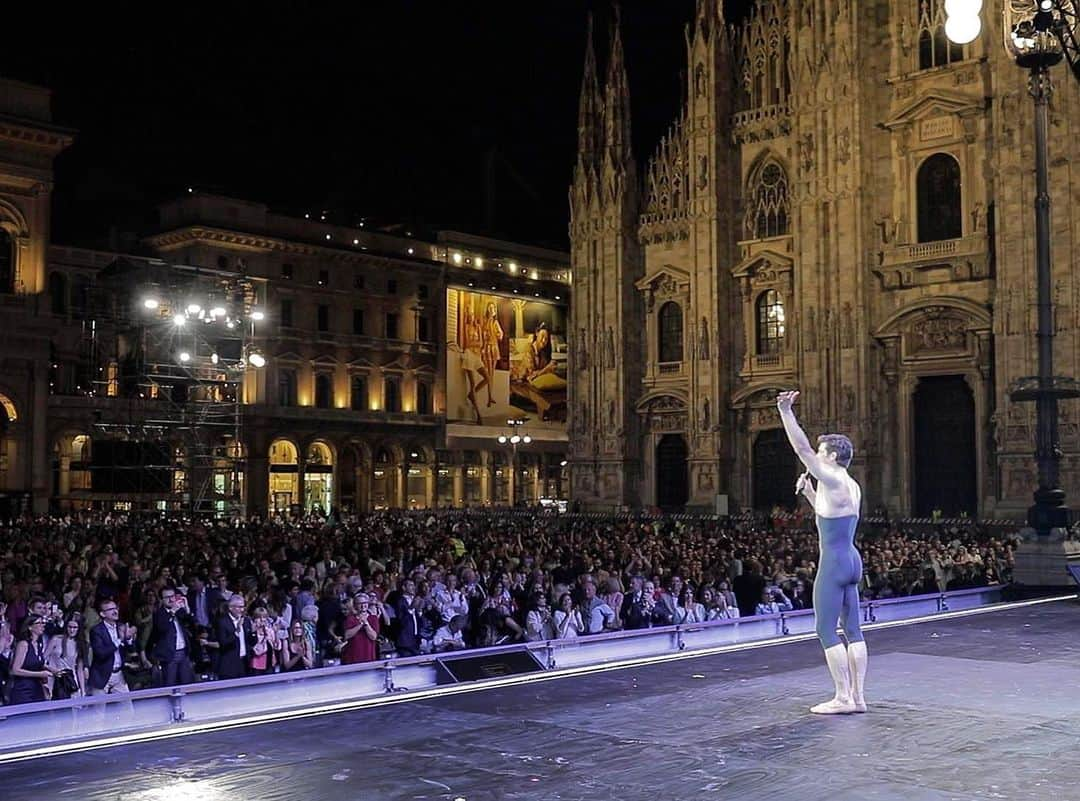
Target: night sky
[(388, 111)]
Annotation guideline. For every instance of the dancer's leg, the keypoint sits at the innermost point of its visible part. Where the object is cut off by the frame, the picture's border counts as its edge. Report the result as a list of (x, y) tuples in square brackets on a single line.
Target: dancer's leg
[(850, 620), (828, 601)]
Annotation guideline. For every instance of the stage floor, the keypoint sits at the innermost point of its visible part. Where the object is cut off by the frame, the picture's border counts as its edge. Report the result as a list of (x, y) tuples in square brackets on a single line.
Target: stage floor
[(980, 707)]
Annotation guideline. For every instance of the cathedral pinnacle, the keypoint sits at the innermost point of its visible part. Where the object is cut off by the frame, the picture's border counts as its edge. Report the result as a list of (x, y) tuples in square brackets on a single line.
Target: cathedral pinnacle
[(617, 101), (589, 106)]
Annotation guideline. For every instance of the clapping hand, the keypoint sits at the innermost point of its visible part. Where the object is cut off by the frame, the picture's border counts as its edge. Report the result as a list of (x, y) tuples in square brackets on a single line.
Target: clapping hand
[(785, 400)]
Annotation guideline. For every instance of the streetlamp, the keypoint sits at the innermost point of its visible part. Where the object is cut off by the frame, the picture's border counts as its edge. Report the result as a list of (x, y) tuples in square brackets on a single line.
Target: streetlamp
[(514, 439), (1037, 35)]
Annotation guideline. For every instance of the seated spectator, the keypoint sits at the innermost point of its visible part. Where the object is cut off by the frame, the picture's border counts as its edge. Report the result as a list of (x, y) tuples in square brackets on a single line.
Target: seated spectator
[(449, 637)]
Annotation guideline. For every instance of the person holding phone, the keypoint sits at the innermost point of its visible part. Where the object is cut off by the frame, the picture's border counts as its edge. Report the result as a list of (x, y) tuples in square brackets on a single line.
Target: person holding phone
[(169, 639)]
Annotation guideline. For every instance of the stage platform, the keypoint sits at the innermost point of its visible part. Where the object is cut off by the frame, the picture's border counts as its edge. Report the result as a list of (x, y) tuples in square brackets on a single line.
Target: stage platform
[(978, 707)]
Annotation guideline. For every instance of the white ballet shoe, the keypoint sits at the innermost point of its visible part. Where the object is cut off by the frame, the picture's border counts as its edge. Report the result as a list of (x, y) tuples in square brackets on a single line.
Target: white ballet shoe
[(836, 658), (857, 659), (837, 706)]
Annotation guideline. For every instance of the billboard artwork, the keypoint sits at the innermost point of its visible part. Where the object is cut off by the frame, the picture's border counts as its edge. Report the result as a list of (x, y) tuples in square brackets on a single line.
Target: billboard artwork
[(505, 357)]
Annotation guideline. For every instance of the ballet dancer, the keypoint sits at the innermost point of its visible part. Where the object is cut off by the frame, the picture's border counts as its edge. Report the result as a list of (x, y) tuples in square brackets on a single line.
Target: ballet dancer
[(836, 501)]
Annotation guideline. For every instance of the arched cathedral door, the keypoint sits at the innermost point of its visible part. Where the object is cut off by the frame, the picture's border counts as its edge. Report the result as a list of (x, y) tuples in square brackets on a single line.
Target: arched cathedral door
[(672, 473), (944, 423), (775, 470)]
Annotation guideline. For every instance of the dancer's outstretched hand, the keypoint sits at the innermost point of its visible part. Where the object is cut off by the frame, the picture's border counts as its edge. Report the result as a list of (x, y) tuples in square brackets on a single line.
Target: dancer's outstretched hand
[(785, 400)]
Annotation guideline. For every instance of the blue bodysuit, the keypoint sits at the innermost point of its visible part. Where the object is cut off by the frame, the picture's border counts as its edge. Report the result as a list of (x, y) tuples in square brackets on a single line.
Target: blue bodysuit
[(836, 587)]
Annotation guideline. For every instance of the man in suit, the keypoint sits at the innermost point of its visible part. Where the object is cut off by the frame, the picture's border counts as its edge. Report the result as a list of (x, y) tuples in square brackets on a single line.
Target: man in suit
[(235, 640), (199, 602), (170, 638), (108, 641), (407, 610)]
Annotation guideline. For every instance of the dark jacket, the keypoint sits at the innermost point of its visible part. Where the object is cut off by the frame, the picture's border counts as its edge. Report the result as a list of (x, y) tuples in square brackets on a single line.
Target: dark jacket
[(162, 643), (408, 633), (230, 664), (102, 655)]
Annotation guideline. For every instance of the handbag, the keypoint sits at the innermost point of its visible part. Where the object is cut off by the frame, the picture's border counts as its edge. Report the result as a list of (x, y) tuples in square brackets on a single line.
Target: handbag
[(65, 685)]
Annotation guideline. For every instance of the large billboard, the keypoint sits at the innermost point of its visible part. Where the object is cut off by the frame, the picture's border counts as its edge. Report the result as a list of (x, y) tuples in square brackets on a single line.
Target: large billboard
[(505, 358)]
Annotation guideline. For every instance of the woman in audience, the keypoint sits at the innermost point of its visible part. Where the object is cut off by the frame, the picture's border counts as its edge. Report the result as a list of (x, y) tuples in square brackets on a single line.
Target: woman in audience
[(539, 623), (143, 619), (297, 654), (613, 596), (687, 610), (65, 656), (264, 653), (723, 590), (567, 619), (29, 671)]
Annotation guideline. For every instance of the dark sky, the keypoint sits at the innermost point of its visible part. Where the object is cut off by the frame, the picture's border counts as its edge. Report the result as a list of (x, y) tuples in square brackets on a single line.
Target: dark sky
[(387, 110)]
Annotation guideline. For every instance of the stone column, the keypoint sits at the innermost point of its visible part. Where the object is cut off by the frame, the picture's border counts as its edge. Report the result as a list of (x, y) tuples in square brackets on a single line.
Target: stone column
[(257, 484), (39, 454), (458, 474), (485, 477)]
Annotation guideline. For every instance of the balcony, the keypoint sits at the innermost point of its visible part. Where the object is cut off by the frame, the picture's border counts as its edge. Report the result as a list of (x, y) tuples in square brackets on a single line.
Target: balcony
[(759, 124), (760, 364), (924, 263)]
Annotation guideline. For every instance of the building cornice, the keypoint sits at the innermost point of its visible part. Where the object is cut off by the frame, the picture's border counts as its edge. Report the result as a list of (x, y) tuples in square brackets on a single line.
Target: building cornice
[(35, 134), (261, 243)]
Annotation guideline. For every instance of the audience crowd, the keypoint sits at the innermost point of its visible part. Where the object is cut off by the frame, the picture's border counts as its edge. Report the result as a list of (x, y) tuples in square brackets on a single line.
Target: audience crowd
[(99, 603)]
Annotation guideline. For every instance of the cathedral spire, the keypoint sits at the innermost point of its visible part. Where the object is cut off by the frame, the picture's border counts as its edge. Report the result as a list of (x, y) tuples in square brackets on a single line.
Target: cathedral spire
[(617, 101), (589, 106)]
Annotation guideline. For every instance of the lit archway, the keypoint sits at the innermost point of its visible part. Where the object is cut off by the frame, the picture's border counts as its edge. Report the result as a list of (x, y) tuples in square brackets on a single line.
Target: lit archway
[(384, 479), (284, 475), (318, 478)]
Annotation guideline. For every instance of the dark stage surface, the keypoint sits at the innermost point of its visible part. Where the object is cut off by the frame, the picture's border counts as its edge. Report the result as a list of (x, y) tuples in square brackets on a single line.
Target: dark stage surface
[(982, 707)]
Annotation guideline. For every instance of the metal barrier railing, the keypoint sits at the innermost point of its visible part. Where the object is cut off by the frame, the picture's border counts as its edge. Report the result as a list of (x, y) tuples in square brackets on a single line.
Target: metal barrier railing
[(783, 623)]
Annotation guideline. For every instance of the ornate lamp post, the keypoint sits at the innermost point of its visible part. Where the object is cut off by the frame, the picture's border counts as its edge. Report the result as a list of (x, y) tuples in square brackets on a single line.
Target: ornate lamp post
[(1037, 35), (513, 439)]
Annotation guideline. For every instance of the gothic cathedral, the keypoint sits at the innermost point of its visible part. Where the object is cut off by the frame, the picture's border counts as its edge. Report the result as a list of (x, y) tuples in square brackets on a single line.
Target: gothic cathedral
[(844, 206)]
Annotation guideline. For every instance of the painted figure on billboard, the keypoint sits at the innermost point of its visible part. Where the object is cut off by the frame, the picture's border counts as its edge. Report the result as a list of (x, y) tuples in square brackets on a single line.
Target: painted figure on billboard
[(472, 363), (506, 357), (491, 334)]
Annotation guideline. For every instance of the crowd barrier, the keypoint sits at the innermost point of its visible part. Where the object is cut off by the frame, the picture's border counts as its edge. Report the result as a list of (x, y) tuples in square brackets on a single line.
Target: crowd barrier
[(805, 519), (27, 727)]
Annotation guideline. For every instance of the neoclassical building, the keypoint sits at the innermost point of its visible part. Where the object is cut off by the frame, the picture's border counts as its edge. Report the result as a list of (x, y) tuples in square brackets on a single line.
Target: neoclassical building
[(844, 205), (237, 359)]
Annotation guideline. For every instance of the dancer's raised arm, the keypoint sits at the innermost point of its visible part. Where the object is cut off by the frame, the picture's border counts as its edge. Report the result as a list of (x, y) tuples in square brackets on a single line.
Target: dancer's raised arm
[(818, 468)]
